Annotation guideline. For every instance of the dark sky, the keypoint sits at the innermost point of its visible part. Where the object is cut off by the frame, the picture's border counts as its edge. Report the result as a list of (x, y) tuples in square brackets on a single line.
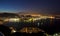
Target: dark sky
[(41, 6)]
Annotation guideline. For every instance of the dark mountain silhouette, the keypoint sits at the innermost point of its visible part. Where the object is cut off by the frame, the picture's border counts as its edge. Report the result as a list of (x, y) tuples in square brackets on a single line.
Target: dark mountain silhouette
[(8, 15)]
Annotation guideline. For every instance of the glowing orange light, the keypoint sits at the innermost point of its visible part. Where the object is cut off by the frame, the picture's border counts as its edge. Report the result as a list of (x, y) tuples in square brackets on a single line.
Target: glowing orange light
[(52, 17)]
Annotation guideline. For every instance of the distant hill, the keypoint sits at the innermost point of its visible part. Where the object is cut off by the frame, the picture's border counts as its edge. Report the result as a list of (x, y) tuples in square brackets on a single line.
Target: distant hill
[(8, 15)]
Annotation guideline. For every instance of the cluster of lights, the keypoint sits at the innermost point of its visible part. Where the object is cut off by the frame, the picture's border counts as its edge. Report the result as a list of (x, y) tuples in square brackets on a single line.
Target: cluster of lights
[(30, 19), (12, 30), (30, 30), (12, 20), (56, 34), (42, 17)]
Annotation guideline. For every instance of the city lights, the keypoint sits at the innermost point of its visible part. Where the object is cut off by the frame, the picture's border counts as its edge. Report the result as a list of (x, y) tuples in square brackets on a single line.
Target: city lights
[(14, 20), (51, 17), (30, 30), (13, 31)]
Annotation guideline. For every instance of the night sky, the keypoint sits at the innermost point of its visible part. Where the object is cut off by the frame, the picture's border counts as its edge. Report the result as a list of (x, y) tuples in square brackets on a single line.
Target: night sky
[(41, 6)]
